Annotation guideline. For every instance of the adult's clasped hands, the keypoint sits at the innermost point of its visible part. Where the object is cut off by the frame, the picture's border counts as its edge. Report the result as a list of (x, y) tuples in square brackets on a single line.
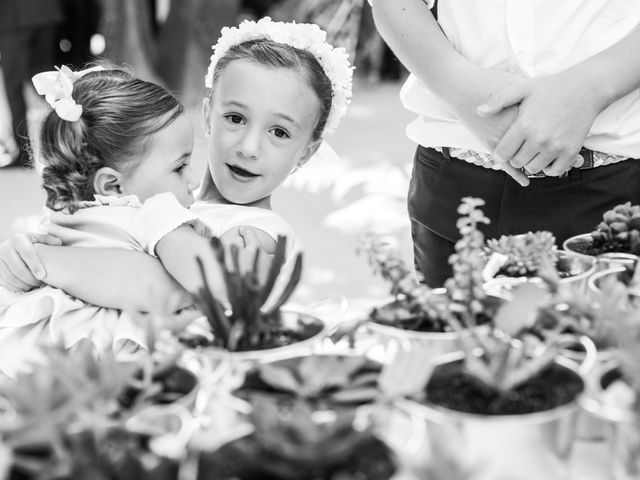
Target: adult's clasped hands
[(555, 114)]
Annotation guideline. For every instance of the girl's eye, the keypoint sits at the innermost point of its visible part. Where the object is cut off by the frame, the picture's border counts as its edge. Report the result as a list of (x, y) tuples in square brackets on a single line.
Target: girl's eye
[(180, 168), (234, 118), (280, 133)]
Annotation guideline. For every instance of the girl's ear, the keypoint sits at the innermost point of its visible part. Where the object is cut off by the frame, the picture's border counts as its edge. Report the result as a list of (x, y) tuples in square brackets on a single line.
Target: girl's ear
[(206, 115), (309, 151), (106, 181)]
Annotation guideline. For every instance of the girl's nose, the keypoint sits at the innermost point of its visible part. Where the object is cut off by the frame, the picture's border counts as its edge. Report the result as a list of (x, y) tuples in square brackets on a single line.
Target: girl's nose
[(249, 145), (192, 181)]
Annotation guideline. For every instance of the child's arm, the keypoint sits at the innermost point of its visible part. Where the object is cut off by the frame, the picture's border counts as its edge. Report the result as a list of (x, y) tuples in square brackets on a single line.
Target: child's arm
[(178, 251), (113, 278)]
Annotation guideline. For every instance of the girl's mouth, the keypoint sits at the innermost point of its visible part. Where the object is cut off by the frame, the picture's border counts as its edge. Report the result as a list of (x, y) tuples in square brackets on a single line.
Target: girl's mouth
[(241, 172)]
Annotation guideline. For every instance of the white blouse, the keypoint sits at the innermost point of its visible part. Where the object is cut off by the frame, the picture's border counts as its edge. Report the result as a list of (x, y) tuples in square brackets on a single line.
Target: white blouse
[(529, 38)]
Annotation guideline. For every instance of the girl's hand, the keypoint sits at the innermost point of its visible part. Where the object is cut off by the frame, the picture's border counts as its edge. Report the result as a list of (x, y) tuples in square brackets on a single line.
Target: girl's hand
[(554, 117), (20, 267)]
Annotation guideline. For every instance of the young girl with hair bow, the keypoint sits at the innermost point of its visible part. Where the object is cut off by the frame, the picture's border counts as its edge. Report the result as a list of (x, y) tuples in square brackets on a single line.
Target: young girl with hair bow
[(273, 91)]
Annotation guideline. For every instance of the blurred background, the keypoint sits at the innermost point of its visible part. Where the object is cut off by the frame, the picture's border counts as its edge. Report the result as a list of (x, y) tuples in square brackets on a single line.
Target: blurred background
[(329, 203)]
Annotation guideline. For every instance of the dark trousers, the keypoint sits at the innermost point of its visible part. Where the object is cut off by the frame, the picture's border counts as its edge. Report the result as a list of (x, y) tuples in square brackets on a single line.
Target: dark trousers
[(25, 52), (565, 206)]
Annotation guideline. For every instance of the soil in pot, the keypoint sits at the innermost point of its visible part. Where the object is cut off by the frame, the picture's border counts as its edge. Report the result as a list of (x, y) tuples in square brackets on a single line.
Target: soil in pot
[(395, 314), (242, 460), (453, 388), (275, 336)]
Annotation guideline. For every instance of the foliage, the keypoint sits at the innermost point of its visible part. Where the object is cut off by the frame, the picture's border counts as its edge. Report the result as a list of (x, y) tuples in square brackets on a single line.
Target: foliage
[(245, 323), (412, 299), (523, 253), (338, 379), (619, 230), (302, 442), (503, 356)]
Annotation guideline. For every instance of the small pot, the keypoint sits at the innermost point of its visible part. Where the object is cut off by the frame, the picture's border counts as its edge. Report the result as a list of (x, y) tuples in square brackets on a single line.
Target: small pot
[(622, 427), (581, 268), (604, 260), (294, 320), (595, 282), (438, 343), (532, 446)]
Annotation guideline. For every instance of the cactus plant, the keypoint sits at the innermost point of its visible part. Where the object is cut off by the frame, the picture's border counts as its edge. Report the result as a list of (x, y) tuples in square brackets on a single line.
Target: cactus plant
[(246, 323)]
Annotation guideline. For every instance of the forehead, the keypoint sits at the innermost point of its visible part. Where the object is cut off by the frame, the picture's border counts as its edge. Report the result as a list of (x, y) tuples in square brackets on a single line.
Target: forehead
[(274, 90), (172, 141)]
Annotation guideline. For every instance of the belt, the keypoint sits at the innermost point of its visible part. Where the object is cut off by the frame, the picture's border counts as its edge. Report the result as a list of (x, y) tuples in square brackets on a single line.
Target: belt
[(587, 164), (592, 159)]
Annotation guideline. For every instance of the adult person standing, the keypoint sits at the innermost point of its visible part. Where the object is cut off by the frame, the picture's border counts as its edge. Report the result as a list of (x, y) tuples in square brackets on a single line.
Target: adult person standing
[(533, 106), (28, 42)]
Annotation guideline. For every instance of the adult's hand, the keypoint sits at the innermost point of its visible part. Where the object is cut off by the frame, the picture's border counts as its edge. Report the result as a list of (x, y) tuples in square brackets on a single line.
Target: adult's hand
[(20, 267), (480, 83), (555, 115)]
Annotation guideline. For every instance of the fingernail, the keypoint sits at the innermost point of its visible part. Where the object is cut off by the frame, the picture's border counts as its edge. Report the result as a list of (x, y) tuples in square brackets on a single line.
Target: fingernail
[(40, 274)]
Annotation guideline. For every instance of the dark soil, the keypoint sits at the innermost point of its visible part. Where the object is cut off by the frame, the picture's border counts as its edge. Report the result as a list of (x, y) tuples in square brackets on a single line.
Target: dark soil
[(590, 248), (275, 336), (244, 459), (453, 388), (394, 315)]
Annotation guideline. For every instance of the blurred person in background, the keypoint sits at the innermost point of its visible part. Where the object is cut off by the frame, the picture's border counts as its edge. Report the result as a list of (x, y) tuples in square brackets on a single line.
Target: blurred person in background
[(29, 32)]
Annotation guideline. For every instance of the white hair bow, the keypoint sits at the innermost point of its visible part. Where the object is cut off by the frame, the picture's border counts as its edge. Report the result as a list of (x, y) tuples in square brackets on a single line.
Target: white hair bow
[(57, 87)]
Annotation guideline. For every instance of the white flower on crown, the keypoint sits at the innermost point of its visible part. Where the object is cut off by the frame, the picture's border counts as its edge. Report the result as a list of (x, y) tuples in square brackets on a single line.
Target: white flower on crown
[(304, 36)]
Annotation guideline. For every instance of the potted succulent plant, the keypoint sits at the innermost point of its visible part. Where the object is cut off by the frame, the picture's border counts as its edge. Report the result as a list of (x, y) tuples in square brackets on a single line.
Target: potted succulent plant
[(614, 397), (417, 313), (616, 238), (508, 398), (67, 420), (299, 441), (325, 380), (247, 326), (524, 255)]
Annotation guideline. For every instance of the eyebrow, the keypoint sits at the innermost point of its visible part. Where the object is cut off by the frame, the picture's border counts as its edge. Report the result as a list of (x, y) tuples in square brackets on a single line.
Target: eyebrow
[(181, 158), (235, 103)]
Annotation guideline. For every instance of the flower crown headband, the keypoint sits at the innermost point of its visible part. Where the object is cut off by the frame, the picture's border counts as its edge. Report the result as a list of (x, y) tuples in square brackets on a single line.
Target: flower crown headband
[(304, 36), (57, 86)]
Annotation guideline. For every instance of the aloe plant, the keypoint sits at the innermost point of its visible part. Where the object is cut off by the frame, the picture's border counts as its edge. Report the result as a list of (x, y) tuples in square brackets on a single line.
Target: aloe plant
[(523, 254), (247, 323)]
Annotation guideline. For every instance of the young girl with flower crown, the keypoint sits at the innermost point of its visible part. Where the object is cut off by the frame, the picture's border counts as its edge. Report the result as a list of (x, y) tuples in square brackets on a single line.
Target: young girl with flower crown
[(273, 90)]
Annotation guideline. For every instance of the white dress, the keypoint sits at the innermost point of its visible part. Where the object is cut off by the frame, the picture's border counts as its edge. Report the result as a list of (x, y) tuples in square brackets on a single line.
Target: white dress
[(49, 315)]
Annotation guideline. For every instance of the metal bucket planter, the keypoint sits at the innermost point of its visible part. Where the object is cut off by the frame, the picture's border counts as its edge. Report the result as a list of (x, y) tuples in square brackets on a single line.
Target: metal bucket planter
[(622, 427), (527, 446), (616, 271), (580, 268), (292, 320), (574, 246), (438, 343)]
